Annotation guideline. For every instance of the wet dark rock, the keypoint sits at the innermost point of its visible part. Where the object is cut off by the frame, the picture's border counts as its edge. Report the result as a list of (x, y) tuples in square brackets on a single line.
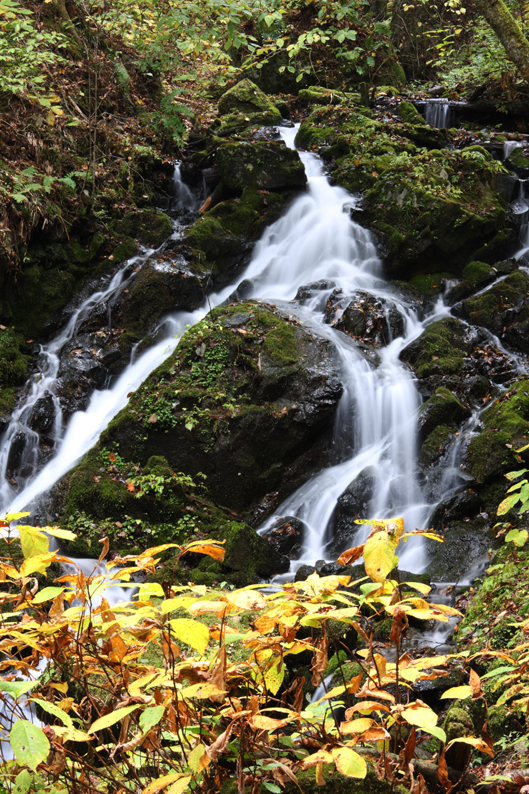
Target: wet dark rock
[(267, 134), (43, 415), (365, 318), (465, 548), (353, 503), (164, 285), (465, 504), (324, 568), (16, 450), (303, 572), (286, 536), (262, 166), (505, 185), (111, 354), (309, 291), (80, 372)]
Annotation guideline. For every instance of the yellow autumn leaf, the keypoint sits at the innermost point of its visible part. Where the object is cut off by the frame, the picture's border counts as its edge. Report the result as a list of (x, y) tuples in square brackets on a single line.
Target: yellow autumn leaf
[(349, 762)]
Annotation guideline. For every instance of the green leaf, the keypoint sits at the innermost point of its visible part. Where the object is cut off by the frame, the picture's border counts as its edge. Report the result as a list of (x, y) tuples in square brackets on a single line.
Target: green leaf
[(499, 671), (191, 632), (17, 688), (22, 782), (55, 711), (151, 717), (111, 719), (29, 743), (47, 594), (458, 692)]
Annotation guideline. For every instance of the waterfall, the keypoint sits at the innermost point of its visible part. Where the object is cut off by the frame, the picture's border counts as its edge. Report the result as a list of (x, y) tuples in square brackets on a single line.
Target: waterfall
[(316, 240), (438, 113)]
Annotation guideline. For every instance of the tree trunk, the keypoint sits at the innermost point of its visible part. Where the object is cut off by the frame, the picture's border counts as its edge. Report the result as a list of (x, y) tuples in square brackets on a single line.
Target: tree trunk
[(508, 31)]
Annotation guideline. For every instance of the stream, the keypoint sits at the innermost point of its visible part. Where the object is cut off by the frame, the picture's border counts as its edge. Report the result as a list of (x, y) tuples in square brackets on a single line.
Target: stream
[(315, 245)]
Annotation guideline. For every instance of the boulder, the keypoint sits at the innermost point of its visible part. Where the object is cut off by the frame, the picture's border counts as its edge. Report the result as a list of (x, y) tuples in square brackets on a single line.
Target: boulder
[(80, 372), (441, 409), (247, 393), (503, 309), (506, 426), (370, 320), (245, 97), (353, 503), (43, 415), (222, 240), (150, 227), (518, 161), (260, 165), (286, 536)]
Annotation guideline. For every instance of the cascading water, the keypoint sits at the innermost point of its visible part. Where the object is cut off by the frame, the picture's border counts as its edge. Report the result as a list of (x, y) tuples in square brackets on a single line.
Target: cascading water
[(438, 113), (375, 425)]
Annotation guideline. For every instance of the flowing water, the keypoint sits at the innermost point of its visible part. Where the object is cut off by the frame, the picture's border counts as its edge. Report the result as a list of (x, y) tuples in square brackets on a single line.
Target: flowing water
[(438, 113), (376, 420)]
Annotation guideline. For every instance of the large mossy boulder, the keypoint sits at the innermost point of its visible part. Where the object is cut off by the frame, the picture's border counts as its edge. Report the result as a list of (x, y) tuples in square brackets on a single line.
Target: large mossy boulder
[(247, 98), (245, 398), (335, 783), (150, 227), (503, 309), (269, 165), (221, 241), (506, 426)]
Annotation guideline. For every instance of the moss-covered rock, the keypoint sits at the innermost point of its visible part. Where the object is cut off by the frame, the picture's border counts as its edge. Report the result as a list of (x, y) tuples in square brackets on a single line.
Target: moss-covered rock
[(439, 350), (434, 209), (479, 273), (246, 395), (441, 409), (506, 422), (13, 362), (503, 309), (409, 113), (263, 166), (518, 161), (150, 227), (246, 97), (221, 241)]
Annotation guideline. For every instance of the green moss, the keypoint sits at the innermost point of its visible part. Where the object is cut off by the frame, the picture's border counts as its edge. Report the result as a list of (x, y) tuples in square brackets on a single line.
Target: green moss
[(488, 308), (440, 349), (246, 97), (436, 444), (429, 284), (263, 166), (409, 113), (478, 273), (125, 250), (150, 227), (13, 363)]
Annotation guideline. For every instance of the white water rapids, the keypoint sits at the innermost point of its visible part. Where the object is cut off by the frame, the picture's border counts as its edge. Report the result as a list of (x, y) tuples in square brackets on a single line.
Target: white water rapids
[(376, 419)]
